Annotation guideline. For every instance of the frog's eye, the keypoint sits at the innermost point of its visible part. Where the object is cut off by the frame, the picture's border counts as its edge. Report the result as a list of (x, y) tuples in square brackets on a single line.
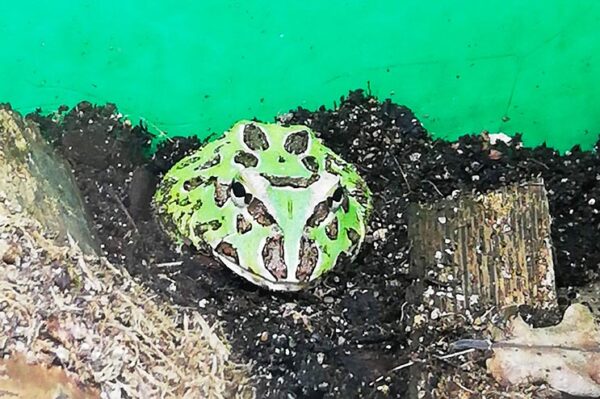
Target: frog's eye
[(239, 195), (335, 200)]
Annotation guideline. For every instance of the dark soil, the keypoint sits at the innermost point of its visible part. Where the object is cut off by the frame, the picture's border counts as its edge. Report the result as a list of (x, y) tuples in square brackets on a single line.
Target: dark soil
[(336, 339)]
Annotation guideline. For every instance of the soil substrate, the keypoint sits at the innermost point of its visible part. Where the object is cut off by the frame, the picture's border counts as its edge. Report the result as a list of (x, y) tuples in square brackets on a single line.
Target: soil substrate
[(336, 339)]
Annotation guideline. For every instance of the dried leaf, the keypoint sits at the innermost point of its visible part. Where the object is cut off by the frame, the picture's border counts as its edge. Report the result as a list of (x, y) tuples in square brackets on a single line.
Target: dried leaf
[(21, 380), (565, 356)]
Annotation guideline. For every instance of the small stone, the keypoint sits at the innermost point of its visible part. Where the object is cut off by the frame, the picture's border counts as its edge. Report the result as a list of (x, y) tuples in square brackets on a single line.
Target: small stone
[(12, 254), (383, 388), (62, 280), (95, 355), (380, 234), (414, 157), (495, 137), (592, 201), (15, 208), (115, 393), (62, 353), (264, 337), (320, 357), (323, 386)]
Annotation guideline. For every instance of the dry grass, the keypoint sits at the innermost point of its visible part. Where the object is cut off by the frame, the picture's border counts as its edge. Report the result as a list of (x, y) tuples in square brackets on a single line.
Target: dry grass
[(60, 306)]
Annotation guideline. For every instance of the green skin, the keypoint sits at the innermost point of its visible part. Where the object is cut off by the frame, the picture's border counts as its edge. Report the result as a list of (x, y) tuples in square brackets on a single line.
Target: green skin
[(253, 200)]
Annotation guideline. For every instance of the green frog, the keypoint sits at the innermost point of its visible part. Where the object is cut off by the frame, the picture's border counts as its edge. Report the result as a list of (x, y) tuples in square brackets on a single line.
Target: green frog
[(271, 202)]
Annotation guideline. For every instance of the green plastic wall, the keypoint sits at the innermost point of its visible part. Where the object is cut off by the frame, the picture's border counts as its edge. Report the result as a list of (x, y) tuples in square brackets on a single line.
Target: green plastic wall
[(194, 67)]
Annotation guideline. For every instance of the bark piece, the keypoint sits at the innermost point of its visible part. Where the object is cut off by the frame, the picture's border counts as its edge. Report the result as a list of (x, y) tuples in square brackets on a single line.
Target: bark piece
[(488, 249), (34, 179)]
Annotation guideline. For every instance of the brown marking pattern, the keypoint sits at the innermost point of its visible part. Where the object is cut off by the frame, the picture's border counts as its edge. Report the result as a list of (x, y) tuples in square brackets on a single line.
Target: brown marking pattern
[(246, 159), (243, 226), (211, 163), (331, 230), (193, 183), (228, 250), (202, 228), (273, 257), (183, 200), (255, 138), (311, 163), (345, 204), (185, 162), (319, 214), (259, 212), (354, 239), (309, 254), (288, 181), (297, 142), (221, 193)]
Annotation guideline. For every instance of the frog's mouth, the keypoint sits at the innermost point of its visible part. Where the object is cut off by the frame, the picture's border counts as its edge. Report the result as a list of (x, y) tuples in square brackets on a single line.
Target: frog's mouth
[(272, 268), (274, 285)]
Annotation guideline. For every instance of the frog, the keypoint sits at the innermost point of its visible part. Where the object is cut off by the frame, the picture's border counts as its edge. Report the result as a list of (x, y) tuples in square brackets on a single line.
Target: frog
[(270, 201)]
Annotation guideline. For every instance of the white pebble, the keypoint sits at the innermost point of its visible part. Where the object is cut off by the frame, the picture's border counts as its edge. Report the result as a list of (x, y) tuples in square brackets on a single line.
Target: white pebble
[(115, 393), (62, 353), (320, 357)]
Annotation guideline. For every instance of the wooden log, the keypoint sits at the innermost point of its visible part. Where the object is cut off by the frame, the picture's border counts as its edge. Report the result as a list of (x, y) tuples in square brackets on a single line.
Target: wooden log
[(487, 249), (34, 179), (473, 259)]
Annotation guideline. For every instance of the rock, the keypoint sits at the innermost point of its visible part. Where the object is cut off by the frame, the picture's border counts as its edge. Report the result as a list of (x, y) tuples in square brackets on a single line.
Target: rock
[(34, 180), (11, 254)]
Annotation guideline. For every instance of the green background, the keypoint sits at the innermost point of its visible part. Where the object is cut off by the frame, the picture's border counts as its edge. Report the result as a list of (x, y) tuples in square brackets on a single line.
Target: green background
[(194, 67)]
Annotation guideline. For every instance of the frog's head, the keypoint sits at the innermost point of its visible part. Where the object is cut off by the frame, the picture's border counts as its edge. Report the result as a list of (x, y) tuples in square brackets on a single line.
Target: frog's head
[(272, 202)]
